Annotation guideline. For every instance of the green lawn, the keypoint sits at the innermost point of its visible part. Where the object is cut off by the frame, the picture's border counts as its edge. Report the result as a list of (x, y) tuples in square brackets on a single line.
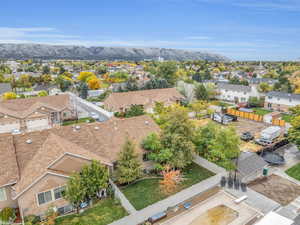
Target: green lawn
[(294, 171), (286, 117), (82, 120), (261, 111), (220, 103), (147, 192), (104, 212)]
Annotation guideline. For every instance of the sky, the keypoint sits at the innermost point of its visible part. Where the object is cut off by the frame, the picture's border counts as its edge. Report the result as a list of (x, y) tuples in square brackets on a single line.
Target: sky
[(238, 29)]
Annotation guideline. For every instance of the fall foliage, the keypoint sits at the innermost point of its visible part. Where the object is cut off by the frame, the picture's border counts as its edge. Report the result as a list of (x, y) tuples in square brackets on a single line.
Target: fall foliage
[(171, 178)]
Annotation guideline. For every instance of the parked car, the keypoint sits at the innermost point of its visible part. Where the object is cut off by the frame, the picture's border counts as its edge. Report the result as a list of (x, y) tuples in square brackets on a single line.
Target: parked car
[(94, 115), (247, 136), (263, 141)]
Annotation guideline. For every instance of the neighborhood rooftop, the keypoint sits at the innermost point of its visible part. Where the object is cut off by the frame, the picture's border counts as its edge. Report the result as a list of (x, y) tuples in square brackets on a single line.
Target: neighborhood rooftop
[(21, 108), (116, 101), (278, 94), (29, 155), (234, 87)]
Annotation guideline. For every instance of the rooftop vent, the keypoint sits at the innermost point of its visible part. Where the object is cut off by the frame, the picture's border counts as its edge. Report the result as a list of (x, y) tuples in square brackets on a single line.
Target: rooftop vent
[(77, 127), (96, 128), (147, 122), (5, 116), (29, 141)]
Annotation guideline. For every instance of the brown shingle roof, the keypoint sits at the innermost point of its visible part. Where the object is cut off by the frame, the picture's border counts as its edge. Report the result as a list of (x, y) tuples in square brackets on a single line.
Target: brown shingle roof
[(9, 168), (116, 101), (52, 149), (21, 108), (102, 141)]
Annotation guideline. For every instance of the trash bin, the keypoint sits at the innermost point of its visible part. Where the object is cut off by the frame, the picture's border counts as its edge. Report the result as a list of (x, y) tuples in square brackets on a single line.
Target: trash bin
[(265, 171)]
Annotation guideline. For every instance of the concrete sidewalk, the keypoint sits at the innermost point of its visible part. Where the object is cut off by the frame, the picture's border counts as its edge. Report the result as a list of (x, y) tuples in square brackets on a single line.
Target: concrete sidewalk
[(142, 215)]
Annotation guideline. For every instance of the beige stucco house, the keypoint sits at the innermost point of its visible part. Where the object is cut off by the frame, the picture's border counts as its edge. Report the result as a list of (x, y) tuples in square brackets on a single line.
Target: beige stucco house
[(37, 113), (36, 166)]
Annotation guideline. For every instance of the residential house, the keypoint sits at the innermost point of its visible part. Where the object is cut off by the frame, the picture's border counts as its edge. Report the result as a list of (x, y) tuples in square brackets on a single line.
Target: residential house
[(35, 113), (236, 93), (36, 166), (117, 102), (257, 81), (281, 101)]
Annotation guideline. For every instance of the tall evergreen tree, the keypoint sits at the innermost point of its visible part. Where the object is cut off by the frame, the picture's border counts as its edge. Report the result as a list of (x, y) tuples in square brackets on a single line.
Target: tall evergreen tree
[(201, 92), (129, 166)]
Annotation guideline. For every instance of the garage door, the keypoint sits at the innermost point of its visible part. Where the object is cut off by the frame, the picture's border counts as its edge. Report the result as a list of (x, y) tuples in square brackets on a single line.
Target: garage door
[(38, 124)]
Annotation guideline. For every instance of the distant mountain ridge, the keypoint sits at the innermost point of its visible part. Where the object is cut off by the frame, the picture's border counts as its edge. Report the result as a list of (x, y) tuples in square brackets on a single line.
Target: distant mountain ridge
[(47, 52)]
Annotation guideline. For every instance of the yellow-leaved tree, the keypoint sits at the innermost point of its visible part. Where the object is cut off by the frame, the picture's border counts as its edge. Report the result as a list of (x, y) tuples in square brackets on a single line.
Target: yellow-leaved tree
[(86, 76), (9, 95), (94, 83)]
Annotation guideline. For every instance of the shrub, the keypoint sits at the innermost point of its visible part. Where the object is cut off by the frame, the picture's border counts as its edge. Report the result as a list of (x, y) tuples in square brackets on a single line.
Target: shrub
[(31, 220), (7, 214)]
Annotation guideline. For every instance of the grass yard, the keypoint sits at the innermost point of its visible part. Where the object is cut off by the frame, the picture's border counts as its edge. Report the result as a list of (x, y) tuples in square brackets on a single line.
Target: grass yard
[(286, 117), (294, 172), (82, 120), (220, 103), (147, 192), (261, 111), (104, 212)]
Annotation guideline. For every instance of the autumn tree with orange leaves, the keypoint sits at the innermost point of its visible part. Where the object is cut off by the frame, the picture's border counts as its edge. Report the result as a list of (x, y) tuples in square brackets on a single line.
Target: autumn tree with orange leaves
[(171, 178)]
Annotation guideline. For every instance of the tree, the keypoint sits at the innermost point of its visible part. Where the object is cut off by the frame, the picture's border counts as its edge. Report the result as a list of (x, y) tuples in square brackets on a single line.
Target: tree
[(85, 76), (201, 108), (135, 110), (201, 92), (167, 71), (256, 102), (46, 70), (46, 78), (75, 191), (94, 178), (24, 81), (204, 137), (217, 144), (264, 87), (83, 90), (94, 83), (176, 138), (151, 142), (171, 178), (225, 148), (294, 131), (9, 95), (128, 167), (43, 93)]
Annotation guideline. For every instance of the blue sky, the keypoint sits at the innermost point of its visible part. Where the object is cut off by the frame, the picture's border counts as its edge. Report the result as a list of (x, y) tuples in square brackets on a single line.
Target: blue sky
[(239, 29)]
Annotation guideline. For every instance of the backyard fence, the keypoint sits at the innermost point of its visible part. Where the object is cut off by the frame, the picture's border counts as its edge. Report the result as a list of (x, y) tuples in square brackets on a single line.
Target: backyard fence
[(255, 117), (278, 122), (246, 115)]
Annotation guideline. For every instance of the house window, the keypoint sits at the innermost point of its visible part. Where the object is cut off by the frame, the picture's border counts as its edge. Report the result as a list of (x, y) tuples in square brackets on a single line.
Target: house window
[(3, 194), (44, 197), (59, 192), (269, 105)]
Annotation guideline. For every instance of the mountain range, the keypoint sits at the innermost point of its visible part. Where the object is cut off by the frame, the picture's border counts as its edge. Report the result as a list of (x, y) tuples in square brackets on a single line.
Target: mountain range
[(48, 52)]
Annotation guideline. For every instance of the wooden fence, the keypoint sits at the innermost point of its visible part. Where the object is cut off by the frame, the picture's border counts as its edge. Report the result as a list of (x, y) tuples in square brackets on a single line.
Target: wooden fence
[(255, 117), (246, 115)]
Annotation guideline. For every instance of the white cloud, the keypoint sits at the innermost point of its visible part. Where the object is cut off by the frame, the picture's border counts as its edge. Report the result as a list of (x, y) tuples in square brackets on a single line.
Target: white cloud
[(197, 38), (11, 33)]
